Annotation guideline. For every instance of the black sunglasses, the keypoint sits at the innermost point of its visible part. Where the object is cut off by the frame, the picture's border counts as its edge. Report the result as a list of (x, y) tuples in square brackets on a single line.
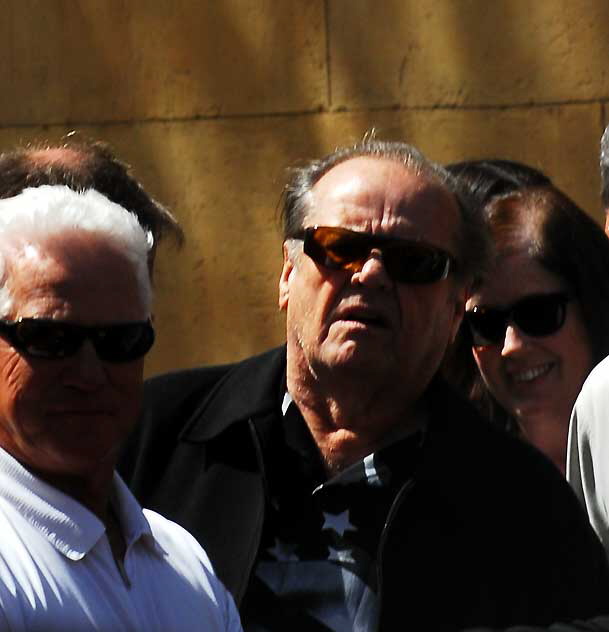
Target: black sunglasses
[(54, 339), (404, 260), (535, 315)]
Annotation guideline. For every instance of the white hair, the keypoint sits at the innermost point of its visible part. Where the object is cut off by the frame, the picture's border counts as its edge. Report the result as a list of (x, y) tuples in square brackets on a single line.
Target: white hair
[(51, 211)]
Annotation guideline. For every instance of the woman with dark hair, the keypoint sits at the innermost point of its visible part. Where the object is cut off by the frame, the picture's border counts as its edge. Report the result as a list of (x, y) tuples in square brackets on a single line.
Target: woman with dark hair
[(485, 179), (536, 324)]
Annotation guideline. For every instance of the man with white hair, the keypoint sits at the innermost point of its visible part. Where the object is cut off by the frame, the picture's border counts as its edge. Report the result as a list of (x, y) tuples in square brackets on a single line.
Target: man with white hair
[(77, 552)]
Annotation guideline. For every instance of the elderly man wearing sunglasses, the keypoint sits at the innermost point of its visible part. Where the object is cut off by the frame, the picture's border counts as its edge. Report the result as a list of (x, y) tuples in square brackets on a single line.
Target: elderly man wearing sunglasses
[(76, 550), (348, 488)]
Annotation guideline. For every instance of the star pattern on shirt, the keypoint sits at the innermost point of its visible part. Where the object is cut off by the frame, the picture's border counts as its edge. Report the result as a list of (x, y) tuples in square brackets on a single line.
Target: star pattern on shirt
[(338, 522), (283, 551), (340, 555)]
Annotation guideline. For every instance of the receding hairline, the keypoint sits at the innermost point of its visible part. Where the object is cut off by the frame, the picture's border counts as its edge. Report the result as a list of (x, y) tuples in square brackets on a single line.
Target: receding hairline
[(409, 159), (71, 157), (427, 177), (85, 164), (411, 165), (78, 159), (424, 181)]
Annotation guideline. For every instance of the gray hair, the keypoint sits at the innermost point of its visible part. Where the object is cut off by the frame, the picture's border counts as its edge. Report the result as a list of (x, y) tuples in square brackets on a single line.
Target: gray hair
[(38, 214), (473, 250), (604, 162)]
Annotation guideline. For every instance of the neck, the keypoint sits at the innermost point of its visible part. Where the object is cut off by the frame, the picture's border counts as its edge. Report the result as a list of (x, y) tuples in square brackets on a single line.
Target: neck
[(349, 421), (549, 435), (91, 491)]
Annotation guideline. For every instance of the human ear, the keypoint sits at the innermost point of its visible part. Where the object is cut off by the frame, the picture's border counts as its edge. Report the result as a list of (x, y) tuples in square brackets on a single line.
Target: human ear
[(284, 278)]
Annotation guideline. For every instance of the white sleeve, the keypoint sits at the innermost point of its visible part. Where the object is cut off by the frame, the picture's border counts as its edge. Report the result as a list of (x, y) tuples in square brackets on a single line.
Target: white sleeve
[(588, 449)]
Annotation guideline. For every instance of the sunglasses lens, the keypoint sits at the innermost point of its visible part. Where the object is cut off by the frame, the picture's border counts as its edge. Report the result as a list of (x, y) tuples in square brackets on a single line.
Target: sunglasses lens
[(537, 315), (122, 343), (415, 263), (487, 326), (540, 315), (46, 339), (53, 339), (336, 248), (405, 262)]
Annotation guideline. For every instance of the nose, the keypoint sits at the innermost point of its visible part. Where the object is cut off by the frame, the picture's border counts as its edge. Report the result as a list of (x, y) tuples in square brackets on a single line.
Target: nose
[(513, 342), (373, 273), (85, 370)]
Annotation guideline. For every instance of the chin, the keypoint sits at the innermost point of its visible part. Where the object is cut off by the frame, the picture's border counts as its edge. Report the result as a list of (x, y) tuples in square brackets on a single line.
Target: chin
[(352, 356), (531, 409)]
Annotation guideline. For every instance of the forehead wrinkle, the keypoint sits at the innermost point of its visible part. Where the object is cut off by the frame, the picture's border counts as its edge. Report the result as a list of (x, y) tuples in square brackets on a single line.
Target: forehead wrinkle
[(367, 210), (26, 268), (47, 283)]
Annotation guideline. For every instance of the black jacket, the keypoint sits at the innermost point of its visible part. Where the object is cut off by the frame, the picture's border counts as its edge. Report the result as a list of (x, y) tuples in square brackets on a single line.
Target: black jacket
[(488, 534)]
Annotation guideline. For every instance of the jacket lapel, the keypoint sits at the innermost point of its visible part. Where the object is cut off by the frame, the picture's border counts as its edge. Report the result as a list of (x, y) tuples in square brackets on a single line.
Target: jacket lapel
[(257, 383)]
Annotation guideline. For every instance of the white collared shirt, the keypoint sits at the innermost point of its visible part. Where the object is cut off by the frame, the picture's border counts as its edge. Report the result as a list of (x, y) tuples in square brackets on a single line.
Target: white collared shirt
[(588, 447), (58, 574)]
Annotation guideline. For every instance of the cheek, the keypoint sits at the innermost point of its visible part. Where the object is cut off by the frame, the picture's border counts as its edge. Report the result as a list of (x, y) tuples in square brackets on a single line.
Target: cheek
[(488, 360), (127, 380), (22, 394), (16, 379), (313, 298)]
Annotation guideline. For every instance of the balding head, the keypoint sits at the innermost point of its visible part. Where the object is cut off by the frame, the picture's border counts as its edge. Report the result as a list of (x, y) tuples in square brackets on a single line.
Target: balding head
[(82, 166), (59, 157)]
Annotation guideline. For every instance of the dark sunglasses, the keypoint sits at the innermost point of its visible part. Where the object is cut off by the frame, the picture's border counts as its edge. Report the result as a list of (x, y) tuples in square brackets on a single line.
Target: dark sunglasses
[(54, 339), (535, 315), (405, 261)]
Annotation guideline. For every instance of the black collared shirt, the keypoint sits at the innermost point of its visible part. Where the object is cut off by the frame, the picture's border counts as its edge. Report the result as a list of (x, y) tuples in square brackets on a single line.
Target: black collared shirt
[(316, 566)]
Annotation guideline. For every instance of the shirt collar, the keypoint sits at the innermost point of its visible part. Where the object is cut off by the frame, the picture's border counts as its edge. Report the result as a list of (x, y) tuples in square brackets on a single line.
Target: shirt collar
[(285, 404), (378, 468), (68, 525)]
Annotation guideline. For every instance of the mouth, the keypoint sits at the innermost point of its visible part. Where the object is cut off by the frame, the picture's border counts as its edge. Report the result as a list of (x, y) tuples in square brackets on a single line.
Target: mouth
[(81, 412), (532, 373), (369, 318)]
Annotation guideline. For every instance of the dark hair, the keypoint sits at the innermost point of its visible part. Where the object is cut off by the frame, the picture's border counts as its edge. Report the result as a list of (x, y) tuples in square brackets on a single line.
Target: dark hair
[(604, 161), (567, 242), (81, 166), (487, 178), (472, 242)]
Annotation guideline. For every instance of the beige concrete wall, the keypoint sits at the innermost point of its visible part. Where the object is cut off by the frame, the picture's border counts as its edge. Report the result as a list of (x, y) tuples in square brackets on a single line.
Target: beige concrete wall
[(210, 101)]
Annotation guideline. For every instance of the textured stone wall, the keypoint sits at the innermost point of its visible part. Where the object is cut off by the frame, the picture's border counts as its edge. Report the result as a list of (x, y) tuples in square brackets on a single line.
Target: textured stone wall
[(210, 101)]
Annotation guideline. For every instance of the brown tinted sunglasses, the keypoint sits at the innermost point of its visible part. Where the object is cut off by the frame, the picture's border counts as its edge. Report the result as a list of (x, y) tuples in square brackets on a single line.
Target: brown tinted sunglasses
[(406, 261)]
